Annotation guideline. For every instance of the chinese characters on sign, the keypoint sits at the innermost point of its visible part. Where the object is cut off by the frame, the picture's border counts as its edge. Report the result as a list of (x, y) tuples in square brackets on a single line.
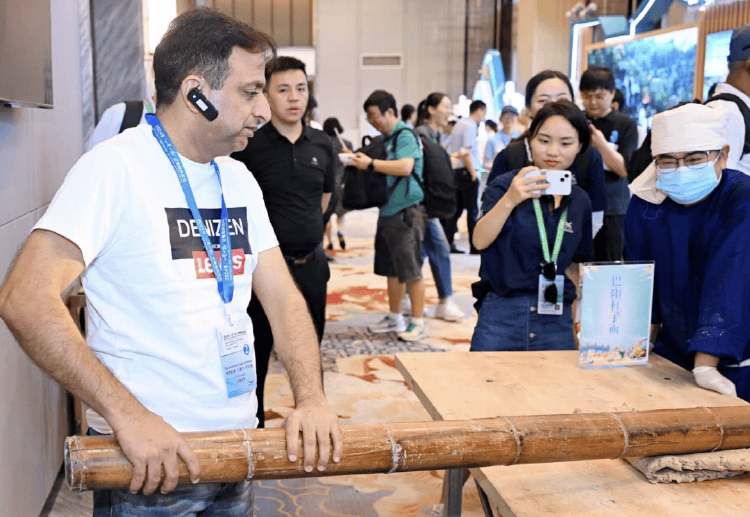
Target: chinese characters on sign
[(614, 310), (615, 314)]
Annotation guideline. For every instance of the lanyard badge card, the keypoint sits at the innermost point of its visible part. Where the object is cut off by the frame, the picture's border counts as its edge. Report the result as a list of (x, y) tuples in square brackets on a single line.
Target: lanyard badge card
[(551, 285), (237, 359)]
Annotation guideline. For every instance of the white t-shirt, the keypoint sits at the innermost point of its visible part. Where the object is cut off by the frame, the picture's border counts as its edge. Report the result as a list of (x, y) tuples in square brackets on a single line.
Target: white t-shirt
[(735, 129), (154, 305)]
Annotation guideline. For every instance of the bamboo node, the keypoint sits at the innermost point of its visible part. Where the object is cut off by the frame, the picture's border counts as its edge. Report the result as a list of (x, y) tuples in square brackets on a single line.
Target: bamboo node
[(395, 450), (720, 424), (518, 440), (249, 449), (625, 437)]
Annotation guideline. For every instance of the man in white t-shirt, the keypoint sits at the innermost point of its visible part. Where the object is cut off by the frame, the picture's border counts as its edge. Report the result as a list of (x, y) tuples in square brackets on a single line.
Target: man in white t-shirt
[(738, 85), (169, 342)]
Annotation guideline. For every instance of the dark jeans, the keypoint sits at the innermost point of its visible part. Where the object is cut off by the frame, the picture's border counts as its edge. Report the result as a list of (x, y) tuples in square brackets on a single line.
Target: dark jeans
[(467, 193), (513, 324), (609, 243), (312, 280)]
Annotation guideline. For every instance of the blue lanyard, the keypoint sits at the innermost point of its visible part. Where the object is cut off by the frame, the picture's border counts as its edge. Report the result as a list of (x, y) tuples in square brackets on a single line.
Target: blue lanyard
[(226, 278)]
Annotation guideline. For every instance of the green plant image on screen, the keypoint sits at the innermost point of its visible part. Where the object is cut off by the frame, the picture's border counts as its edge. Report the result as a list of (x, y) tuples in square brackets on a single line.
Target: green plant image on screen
[(654, 73)]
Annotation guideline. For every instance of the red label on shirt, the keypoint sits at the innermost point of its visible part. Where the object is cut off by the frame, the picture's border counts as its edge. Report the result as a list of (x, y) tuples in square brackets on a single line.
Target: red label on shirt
[(203, 267)]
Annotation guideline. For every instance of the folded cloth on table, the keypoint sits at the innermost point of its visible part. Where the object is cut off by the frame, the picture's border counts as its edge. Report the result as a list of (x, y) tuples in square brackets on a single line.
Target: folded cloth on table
[(686, 468)]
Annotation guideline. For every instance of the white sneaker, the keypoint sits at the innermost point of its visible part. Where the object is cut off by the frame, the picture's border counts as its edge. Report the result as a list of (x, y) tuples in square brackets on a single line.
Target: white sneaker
[(413, 332), (388, 324), (406, 305), (448, 311)]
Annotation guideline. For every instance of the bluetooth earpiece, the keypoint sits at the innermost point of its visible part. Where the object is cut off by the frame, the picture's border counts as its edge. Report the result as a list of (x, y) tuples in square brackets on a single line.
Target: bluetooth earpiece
[(204, 105)]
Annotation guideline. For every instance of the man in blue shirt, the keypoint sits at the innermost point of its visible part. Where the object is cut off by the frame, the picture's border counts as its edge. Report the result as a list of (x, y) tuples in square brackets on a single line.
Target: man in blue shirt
[(401, 224), (467, 166), (691, 215)]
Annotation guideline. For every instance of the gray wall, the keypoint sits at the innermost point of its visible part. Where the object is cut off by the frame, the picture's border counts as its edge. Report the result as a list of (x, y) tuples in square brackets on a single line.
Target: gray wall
[(432, 53), (37, 147), (118, 52)]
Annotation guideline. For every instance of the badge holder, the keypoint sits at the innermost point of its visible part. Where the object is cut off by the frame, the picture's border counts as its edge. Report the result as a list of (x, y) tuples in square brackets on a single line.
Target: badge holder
[(237, 356), (547, 286)]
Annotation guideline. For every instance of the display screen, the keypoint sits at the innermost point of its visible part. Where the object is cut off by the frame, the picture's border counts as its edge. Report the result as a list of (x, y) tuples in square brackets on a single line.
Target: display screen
[(717, 50), (25, 53), (654, 73)]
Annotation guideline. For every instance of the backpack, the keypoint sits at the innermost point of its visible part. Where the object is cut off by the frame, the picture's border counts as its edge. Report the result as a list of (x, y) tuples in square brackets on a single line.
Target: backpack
[(439, 185), (132, 117), (365, 188), (642, 157), (517, 158)]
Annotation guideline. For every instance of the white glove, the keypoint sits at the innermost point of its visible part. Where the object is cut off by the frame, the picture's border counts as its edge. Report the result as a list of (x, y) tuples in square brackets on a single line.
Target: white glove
[(709, 378)]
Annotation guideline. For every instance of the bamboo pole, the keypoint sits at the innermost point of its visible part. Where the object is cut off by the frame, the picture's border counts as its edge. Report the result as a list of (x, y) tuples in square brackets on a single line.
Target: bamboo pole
[(96, 462)]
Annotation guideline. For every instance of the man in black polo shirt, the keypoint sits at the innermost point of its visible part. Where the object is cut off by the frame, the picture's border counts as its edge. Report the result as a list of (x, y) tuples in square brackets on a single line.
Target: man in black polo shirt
[(615, 136), (294, 166)]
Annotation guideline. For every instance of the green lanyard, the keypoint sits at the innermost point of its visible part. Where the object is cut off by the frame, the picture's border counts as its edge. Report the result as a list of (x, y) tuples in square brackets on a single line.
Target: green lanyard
[(543, 233)]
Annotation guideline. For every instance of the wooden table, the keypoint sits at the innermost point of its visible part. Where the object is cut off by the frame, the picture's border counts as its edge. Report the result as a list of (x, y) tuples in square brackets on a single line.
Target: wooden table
[(466, 385)]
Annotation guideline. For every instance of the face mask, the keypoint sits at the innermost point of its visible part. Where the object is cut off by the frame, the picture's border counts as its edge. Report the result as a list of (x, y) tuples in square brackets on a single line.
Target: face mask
[(686, 186)]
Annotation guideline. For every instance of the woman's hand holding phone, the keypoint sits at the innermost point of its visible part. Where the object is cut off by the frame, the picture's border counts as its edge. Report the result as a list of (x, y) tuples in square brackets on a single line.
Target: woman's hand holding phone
[(523, 188)]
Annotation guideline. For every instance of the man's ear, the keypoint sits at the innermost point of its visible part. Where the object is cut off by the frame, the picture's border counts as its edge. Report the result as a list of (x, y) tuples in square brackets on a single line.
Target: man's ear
[(189, 83), (724, 156)]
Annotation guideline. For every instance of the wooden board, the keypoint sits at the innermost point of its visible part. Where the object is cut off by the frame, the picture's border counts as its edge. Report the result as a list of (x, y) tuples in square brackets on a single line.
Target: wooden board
[(463, 385)]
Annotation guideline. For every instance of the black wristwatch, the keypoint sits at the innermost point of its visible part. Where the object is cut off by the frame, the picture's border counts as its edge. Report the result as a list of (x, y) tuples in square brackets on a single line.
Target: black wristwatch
[(371, 166)]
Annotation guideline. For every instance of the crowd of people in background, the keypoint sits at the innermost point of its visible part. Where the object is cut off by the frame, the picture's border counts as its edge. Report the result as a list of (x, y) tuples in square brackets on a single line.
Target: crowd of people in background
[(491, 161)]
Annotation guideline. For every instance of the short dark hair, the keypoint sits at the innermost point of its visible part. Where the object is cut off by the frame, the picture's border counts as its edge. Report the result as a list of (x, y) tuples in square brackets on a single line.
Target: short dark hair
[(619, 99), (571, 112), (383, 100), (539, 78), (596, 77), (432, 100), (476, 105), (282, 64), (330, 124), (407, 110), (200, 41), (491, 124)]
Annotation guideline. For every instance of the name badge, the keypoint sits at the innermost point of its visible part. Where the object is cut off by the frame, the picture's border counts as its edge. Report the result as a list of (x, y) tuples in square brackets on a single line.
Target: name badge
[(545, 307), (237, 358)]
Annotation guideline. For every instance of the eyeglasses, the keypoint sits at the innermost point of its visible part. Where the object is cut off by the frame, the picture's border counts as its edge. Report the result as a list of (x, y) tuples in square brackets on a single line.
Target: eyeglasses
[(694, 160), (550, 292)]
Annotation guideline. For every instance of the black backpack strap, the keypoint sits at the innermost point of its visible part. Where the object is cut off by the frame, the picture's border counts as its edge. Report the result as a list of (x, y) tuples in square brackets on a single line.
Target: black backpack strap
[(133, 113), (515, 155), (744, 110), (421, 145), (582, 164)]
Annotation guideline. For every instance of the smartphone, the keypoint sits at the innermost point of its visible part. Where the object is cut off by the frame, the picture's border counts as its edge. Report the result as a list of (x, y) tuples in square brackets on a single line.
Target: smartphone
[(559, 182)]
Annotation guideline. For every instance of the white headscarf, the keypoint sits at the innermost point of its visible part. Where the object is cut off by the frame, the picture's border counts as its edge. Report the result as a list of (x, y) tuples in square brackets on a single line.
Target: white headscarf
[(692, 127)]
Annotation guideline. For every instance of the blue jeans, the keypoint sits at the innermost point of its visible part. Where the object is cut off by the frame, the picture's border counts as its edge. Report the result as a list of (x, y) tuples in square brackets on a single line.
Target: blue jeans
[(435, 247), (513, 324), (206, 500)]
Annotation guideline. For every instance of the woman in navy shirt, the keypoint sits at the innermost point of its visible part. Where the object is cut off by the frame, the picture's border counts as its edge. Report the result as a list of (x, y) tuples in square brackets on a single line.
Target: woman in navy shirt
[(524, 296), (588, 167)]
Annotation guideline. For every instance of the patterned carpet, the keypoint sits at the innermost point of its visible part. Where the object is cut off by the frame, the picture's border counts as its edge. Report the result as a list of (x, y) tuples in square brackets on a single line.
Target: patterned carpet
[(363, 386)]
